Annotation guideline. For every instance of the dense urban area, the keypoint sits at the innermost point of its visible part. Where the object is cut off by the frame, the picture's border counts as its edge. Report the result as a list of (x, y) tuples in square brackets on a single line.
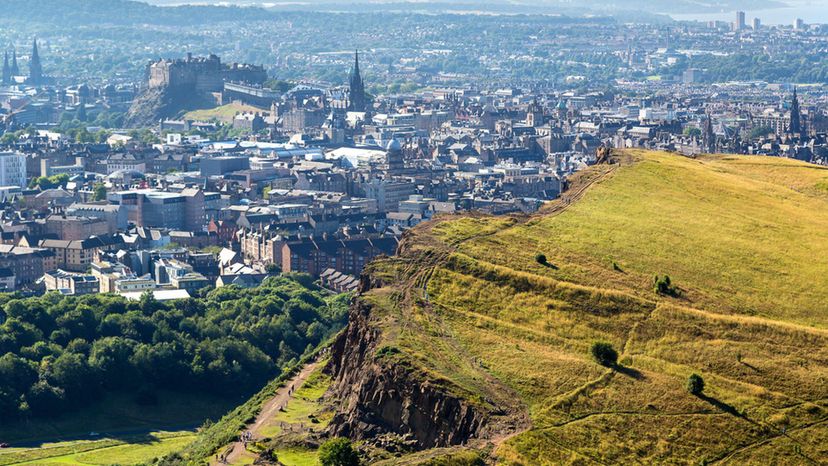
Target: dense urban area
[(224, 175), (195, 172)]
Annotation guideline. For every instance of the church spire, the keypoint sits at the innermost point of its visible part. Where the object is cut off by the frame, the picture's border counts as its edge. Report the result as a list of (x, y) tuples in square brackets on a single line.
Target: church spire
[(15, 70), (6, 68), (795, 127), (356, 88), (35, 68), (708, 136)]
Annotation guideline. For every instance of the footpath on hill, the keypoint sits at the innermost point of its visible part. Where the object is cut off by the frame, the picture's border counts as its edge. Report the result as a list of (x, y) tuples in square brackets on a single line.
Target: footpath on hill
[(235, 452)]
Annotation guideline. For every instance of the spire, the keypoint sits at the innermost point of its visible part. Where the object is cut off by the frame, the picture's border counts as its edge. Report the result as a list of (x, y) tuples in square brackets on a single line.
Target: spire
[(708, 136), (15, 70), (356, 65), (356, 88), (35, 69), (795, 126), (6, 69)]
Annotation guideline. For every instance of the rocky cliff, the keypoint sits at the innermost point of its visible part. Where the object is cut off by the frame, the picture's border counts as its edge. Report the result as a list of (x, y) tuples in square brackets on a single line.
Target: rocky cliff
[(378, 396), (154, 104)]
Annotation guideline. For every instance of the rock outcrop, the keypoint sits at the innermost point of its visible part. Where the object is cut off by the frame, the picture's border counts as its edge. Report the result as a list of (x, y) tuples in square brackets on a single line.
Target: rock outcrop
[(157, 103), (377, 396)]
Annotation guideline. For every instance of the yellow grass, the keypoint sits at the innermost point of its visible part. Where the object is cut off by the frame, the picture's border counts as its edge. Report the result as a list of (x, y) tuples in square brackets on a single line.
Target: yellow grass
[(744, 239)]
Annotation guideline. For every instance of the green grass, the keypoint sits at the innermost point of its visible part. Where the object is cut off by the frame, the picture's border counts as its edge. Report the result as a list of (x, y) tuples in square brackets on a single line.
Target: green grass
[(219, 435), (303, 407), (224, 113), (742, 238), (126, 450), (297, 457)]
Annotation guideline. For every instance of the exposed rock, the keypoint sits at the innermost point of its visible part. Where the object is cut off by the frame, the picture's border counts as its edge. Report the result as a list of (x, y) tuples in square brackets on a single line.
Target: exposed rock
[(157, 103), (378, 397)]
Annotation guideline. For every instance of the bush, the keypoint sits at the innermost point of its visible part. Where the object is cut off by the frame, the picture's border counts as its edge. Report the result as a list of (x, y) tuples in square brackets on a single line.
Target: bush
[(604, 354), (695, 384), (663, 285), (338, 452), (540, 259)]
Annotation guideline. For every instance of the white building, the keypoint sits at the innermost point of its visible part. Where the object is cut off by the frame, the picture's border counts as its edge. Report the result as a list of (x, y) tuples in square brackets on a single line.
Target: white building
[(12, 169)]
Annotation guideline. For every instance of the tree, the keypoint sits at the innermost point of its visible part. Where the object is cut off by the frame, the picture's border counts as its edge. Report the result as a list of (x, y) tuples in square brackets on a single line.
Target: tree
[(604, 354), (695, 384), (540, 259), (663, 285), (338, 452), (99, 192)]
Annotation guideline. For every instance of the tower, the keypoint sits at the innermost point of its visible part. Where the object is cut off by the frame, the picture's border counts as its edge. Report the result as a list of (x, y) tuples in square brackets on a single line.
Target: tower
[(6, 68), (15, 70), (795, 127), (534, 115), (356, 88), (35, 69), (708, 136)]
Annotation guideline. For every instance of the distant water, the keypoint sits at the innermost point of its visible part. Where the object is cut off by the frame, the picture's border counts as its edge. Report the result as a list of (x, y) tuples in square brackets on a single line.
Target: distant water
[(812, 12)]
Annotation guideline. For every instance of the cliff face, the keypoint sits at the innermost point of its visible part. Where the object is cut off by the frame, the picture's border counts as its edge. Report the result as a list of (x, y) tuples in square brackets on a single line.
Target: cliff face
[(157, 103), (377, 396)]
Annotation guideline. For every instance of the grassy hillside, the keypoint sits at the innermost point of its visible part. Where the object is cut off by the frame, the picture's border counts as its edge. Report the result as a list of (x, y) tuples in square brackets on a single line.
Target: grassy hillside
[(744, 240), (224, 113)]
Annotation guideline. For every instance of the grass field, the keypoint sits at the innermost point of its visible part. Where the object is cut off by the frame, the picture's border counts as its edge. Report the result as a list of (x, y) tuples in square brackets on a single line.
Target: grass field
[(745, 241), (127, 433), (126, 450), (224, 113)]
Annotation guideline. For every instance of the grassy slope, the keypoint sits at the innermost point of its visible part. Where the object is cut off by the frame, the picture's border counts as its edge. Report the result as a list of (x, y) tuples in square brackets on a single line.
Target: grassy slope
[(224, 113), (123, 450), (744, 239), (730, 231)]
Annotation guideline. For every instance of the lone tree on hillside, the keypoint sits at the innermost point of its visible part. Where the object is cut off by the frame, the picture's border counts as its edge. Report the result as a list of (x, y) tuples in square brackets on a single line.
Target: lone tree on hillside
[(338, 452), (540, 259), (664, 286), (604, 354), (695, 384)]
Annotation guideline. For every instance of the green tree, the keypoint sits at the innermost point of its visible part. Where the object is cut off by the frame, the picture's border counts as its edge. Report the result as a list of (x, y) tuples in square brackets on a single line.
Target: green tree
[(338, 452), (604, 354), (99, 192), (695, 384)]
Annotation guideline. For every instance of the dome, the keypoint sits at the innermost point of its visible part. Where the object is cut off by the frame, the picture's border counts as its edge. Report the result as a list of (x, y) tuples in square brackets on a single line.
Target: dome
[(393, 145), (120, 174)]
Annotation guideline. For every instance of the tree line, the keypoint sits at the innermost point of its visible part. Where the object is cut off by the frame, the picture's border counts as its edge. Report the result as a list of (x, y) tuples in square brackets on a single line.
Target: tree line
[(62, 352)]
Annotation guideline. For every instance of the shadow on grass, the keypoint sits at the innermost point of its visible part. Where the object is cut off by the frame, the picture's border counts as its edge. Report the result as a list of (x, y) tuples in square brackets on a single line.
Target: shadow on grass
[(729, 409), (629, 372), (140, 436), (749, 366)]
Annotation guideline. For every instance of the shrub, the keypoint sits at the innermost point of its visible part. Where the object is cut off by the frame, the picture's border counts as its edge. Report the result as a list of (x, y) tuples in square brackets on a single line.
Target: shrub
[(604, 354), (540, 259), (663, 285), (338, 452), (695, 384)]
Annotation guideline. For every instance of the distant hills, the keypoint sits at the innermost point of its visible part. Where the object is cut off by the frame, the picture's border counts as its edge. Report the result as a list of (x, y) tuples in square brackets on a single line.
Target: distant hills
[(121, 12), (129, 12), (502, 6)]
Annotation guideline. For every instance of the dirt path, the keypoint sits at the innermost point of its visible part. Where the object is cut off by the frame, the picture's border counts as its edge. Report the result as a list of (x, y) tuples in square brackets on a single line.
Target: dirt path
[(282, 396)]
